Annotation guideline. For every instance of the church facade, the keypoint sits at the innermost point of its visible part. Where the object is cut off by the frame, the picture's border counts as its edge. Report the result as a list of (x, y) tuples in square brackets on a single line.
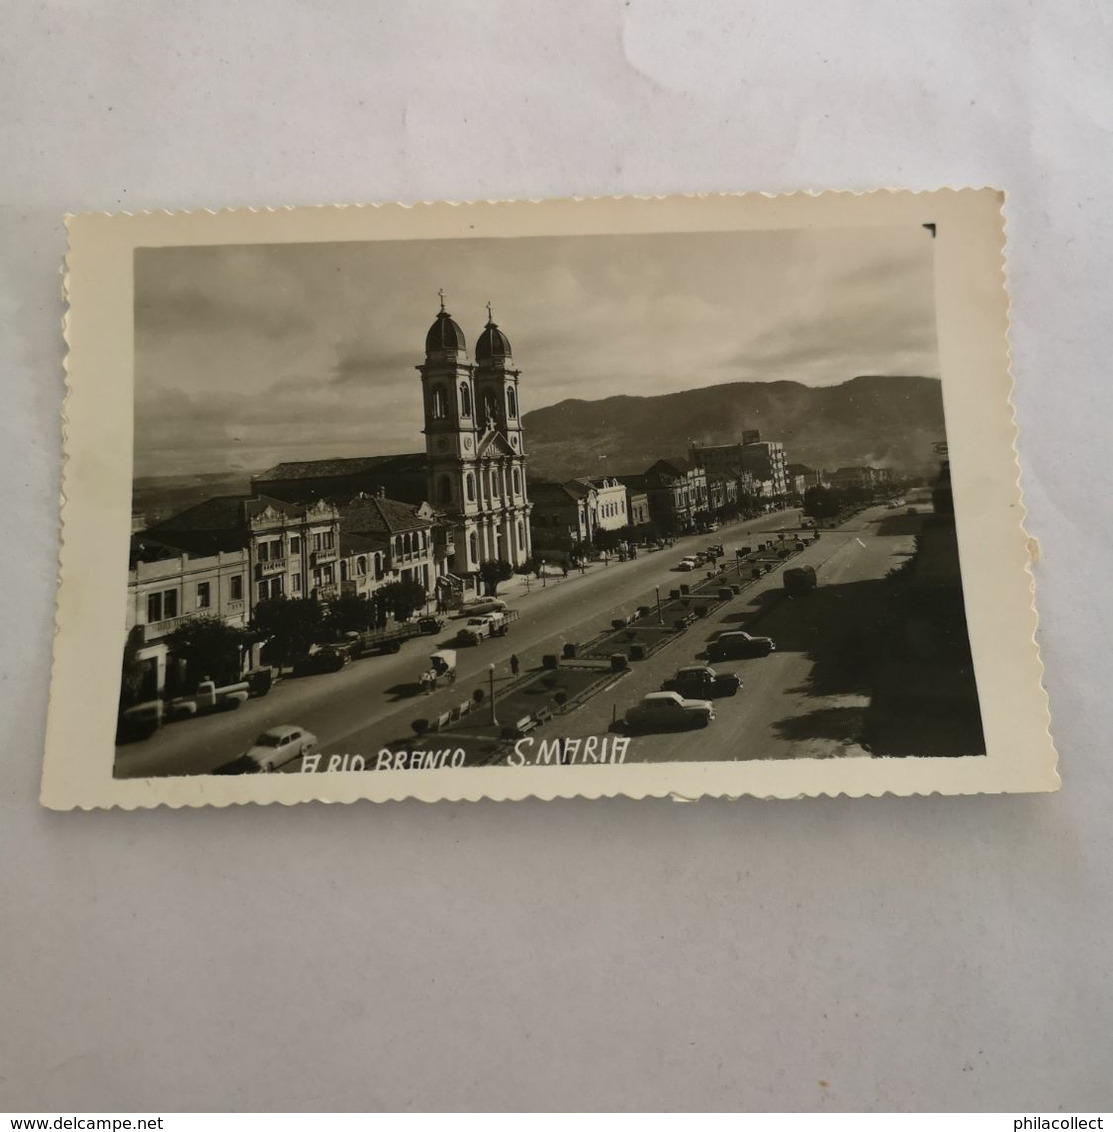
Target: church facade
[(474, 444), (473, 469)]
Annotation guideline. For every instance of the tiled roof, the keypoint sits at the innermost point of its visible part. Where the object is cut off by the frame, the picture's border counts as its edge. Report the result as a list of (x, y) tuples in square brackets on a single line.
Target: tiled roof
[(347, 466), (375, 514), (675, 464), (542, 492), (578, 489), (353, 543), (221, 513), (633, 483)]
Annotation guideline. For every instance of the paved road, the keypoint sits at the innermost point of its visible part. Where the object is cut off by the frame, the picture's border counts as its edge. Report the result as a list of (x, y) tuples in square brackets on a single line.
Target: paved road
[(371, 701), (806, 700)]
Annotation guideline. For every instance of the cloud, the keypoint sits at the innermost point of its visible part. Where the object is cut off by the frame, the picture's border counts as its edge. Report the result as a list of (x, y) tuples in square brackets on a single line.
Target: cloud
[(246, 355)]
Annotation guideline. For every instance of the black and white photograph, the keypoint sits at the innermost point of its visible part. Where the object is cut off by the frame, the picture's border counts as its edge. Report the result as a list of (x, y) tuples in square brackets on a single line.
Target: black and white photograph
[(663, 497), (408, 505)]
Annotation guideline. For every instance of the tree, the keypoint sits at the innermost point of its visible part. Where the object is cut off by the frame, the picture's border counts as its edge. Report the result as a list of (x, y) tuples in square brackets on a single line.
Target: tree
[(133, 671), (401, 598), (210, 649), (350, 614), (494, 571), (822, 503), (289, 625)]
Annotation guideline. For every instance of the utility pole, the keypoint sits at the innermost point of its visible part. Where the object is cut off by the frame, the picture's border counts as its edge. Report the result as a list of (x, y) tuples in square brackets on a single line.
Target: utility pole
[(491, 676), (660, 618)]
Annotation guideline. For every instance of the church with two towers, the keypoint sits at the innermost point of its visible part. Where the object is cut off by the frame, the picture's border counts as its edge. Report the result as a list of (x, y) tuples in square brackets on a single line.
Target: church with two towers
[(473, 470)]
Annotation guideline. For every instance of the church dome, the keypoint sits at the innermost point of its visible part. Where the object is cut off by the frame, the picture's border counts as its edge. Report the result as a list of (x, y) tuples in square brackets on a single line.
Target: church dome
[(492, 344), (445, 334)]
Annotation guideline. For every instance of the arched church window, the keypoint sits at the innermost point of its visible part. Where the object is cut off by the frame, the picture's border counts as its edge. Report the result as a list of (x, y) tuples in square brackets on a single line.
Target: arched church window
[(465, 399), (473, 546), (439, 405), (361, 566), (398, 545), (494, 484), (517, 482), (406, 543), (511, 403), (491, 408), (470, 481), (444, 489)]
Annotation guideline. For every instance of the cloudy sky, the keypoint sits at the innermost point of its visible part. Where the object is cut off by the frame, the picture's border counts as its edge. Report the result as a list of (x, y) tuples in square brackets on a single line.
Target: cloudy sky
[(248, 355)]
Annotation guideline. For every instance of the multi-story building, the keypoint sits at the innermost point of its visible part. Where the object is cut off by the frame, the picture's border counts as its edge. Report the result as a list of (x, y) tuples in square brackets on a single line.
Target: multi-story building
[(293, 549), (561, 514), (861, 477), (362, 563), (609, 503), (399, 542), (765, 461), (722, 490), (637, 499), (169, 590), (804, 477), (677, 491)]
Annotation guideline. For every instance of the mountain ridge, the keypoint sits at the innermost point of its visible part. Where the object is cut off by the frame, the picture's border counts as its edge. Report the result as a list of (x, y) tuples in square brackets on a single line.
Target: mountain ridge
[(881, 419)]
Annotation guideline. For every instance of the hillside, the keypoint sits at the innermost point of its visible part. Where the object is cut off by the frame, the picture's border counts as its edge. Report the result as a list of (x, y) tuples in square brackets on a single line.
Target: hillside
[(158, 497), (884, 421)]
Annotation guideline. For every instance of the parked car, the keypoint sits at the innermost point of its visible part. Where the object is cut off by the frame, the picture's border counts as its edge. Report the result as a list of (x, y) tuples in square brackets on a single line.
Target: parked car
[(691, 562), (701, 682), (668, 711), (138, 722), (208, 698), (739, 646), (482, 605), (326, 658), (271, 750)]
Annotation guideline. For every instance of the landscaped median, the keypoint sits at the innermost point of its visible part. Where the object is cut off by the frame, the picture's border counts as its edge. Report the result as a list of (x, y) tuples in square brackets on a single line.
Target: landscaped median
[(584, 669)]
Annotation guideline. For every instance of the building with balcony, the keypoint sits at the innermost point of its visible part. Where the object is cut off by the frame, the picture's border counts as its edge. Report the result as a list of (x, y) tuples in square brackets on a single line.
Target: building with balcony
[(292, 548), (171, 589), (400, 542)]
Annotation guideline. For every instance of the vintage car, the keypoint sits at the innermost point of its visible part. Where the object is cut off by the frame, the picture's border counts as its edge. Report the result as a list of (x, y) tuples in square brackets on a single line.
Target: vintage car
[(138, 722), (325, 658), (701, 682), (739, 646), (668, 711), (689, 562), (271, 750)]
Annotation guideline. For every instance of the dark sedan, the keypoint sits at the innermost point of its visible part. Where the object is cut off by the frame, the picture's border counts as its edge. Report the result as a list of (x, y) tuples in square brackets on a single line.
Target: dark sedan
[(700, 682)]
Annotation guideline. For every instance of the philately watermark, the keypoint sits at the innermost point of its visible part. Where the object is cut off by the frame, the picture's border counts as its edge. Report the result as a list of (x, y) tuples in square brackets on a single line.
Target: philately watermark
[(680, 497)]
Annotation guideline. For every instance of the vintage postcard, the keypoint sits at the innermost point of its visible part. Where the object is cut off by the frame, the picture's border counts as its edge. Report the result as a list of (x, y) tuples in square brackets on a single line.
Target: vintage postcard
[(682, 497)]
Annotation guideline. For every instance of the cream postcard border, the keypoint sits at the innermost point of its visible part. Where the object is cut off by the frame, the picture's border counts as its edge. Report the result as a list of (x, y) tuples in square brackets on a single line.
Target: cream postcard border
[(972, 315)]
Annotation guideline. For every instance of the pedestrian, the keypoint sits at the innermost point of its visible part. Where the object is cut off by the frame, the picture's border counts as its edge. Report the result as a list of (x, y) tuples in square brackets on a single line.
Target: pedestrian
[(432, 675), (514, 664), (425, 683)]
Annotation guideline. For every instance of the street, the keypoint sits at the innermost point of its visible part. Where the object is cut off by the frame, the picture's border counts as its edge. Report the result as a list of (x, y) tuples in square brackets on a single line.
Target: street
[(806, 700), (372, 701)]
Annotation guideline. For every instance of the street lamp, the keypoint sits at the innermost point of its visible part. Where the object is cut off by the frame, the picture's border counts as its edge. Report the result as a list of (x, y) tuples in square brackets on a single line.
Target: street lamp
[(491, 676)]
